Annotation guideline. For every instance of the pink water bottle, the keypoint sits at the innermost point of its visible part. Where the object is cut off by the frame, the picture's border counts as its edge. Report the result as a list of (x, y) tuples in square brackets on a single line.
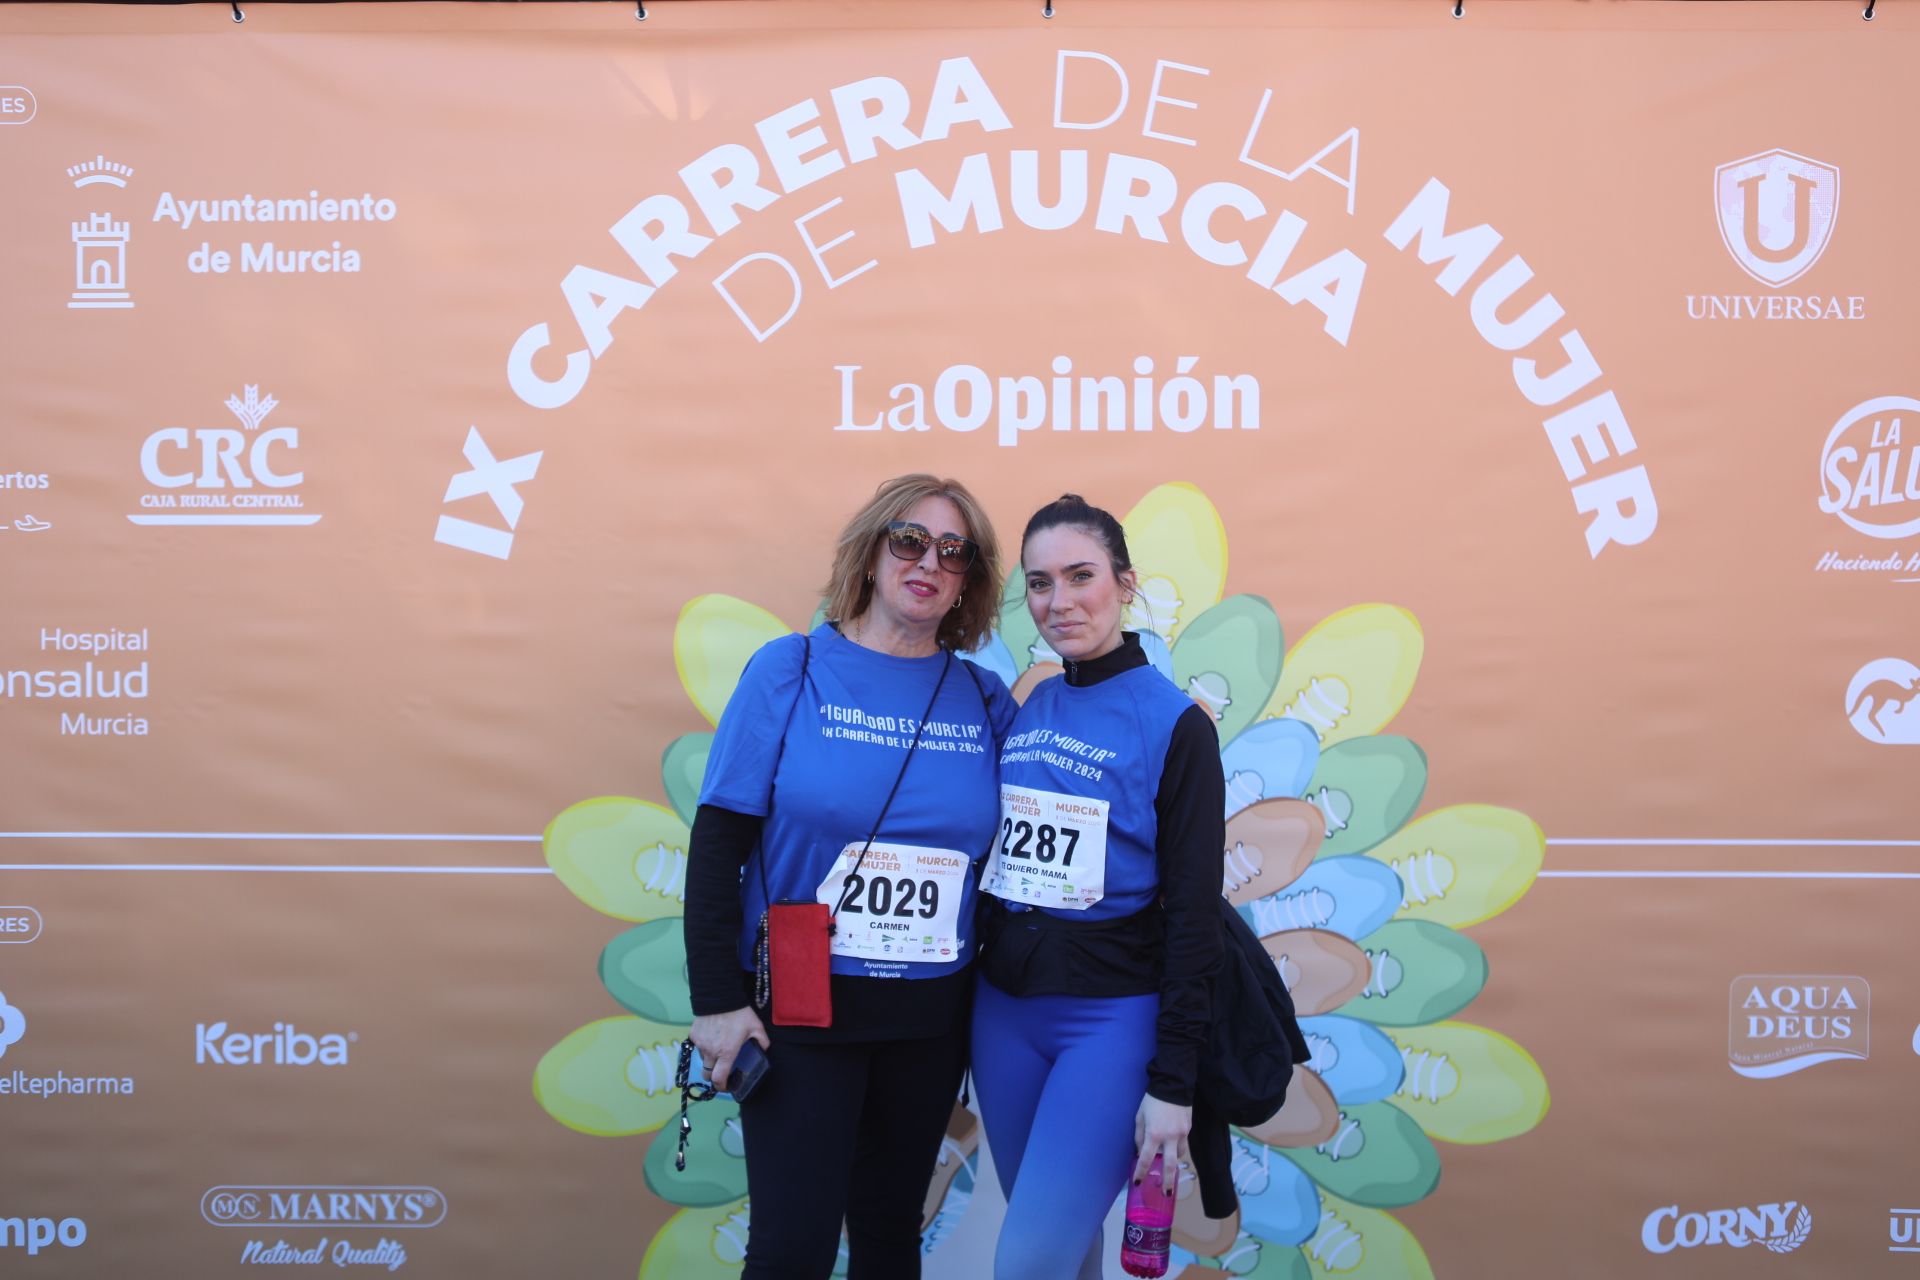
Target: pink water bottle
[(1149, 1232)]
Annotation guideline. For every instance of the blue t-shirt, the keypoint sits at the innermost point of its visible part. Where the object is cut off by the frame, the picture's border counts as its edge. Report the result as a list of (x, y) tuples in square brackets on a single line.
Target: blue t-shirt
[(820, 779), (1105, 742)]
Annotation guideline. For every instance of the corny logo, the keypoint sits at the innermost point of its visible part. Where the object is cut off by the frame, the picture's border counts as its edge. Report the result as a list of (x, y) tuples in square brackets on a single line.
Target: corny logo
[(1780, 1228), (1782, 1024)]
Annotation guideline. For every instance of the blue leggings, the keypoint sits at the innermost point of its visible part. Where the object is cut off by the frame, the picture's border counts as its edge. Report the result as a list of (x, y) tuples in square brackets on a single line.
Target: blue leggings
[(1060, 1078)]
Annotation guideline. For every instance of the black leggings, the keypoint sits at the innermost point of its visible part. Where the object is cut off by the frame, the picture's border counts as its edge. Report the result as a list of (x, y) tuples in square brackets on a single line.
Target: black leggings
[(845, 1131)]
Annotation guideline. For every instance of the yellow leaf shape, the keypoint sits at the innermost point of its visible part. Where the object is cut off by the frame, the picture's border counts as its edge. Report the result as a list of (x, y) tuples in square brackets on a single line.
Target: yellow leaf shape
[(621, 856), (1350, 675), (712, 641), (1179, 551), (1464, 863), (612, 1077)]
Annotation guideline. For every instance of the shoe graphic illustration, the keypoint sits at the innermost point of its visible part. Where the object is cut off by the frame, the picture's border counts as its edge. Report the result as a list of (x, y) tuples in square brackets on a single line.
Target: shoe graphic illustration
[(1378, 1157), (1358, 1243), (645, 969), (1321, 970), (1350, 896), (1228, 660), (1357, 1060), (1349, 676), (623, 857), (1268, 845), (699, 1244), (1366, 788), (716, 1171), (1247, 1256), (1421, 972), (1192, 1229), (1271, 758), (959, 1154), (1278, 1203), (612, 1077), (28, 524), (1463, 864), (682, 766), (1309, 1115), (1468, 1084)]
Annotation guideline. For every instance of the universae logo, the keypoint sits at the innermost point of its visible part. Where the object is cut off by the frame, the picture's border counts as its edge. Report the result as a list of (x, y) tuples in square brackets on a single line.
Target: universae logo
[(284, 1046), (1776, 211)]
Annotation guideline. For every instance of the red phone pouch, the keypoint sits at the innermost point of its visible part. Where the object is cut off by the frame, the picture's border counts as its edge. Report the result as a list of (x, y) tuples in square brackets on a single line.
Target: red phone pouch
[(799, 936)]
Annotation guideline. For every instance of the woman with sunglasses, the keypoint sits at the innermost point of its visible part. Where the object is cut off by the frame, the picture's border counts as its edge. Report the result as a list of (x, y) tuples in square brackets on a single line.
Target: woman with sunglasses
[(854, 767), (1100, 925)]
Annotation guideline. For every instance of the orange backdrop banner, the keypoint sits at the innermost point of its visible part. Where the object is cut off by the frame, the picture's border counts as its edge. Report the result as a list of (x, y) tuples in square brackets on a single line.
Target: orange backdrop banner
[(415, 414)]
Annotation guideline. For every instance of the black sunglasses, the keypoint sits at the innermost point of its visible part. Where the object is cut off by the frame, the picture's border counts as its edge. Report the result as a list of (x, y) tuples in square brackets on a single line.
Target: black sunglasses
[(909, 541)]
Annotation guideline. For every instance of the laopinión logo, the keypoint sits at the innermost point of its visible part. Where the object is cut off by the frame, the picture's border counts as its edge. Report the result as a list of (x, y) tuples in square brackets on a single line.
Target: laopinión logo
[(1779, 1227), (284, 1046), (1883, 702), (100, 242), (224, 475), (1779, 1024), (307, 1205), (35, 1234), (1776, 212)]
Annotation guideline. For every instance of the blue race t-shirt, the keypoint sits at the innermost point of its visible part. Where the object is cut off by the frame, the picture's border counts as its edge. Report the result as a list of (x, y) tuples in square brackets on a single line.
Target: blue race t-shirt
[(1079, 775), (820, 778)]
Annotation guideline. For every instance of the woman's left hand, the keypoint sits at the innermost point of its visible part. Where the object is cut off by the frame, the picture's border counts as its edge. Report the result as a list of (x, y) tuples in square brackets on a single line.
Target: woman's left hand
[(1161, 1128)]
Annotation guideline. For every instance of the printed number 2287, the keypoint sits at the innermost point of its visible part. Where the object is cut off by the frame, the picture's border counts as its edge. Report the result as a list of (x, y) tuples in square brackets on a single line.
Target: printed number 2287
[(1044, 839)]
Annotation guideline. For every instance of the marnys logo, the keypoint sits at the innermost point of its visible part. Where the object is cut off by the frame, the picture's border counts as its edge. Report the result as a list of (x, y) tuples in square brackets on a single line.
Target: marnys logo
[(334, 1206), (1881, 702), (1779, 1024), (284, 1046), (1776, 212), (1780, 1228), (35, 1234), (224, 469)]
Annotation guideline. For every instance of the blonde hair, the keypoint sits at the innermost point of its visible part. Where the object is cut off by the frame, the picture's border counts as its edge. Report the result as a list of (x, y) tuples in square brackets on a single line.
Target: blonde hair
[(849, 592)]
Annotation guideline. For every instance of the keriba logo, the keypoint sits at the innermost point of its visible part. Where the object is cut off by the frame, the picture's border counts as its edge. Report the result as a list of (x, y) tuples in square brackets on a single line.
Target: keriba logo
[(1776, 212), (284, 1046)]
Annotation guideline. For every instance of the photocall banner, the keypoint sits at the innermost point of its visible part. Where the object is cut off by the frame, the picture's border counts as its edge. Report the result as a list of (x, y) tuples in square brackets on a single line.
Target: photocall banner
[(415, 414)]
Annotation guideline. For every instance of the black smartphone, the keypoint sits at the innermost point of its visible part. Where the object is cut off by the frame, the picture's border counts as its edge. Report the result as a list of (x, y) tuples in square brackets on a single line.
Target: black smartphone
[(749, 1069)]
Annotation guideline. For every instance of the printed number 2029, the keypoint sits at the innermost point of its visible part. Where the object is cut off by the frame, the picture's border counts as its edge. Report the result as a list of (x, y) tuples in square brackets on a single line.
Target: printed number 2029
[(1044, 837), (882, 896)]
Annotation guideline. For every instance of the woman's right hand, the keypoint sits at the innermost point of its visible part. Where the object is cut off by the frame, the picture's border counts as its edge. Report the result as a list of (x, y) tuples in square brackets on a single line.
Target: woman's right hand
[(718, 1037)]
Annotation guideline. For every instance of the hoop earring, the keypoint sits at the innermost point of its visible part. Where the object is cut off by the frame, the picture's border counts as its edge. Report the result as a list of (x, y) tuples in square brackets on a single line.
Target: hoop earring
[(957, 602), (869, 579)]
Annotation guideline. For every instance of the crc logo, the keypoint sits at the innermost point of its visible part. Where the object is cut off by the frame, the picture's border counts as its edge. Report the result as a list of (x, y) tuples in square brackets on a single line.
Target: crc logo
[(1780, 1025), (1869, 473), (335, 1206), (1776, 212), (284, 1046), (13, 1025), (1881, 700), (223, 475), (1779, 1228), (35, 1234)]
